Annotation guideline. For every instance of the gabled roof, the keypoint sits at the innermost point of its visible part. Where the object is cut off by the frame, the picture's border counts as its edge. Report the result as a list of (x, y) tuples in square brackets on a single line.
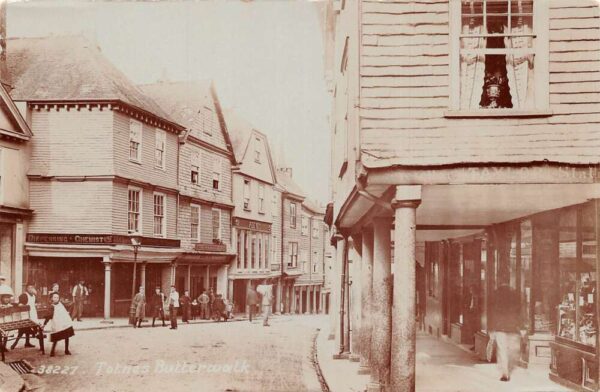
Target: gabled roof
[(70, 68), (240, 131), (289, 185), (182, 101), (313, 206), (21, 130)]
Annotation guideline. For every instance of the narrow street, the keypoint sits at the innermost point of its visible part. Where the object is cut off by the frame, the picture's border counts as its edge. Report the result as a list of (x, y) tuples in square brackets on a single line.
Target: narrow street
[(232, 356)]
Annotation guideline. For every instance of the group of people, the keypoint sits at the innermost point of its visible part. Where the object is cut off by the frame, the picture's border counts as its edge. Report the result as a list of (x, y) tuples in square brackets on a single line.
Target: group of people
[(211, 305), (61, 325)]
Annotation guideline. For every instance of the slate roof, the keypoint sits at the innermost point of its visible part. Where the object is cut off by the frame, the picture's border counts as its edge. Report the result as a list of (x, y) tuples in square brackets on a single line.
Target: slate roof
[(289, 185), (70, 68), (181, 100)]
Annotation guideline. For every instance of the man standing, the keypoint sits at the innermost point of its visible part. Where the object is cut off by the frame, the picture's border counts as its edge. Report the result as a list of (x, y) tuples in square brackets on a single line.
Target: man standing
[(251, 300), (504, 329), (157, 303), (186, 307), (27, 298), (79, 294), (138, 307), (173, 306), (266, 291), (203, 300)]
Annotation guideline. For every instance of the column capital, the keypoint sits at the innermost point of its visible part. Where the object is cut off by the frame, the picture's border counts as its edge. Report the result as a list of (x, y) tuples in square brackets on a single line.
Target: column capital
[(407, 196), (106, 261)]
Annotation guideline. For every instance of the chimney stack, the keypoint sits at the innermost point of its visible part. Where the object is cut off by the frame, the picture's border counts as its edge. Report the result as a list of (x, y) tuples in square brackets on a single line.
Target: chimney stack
[(4, 76)]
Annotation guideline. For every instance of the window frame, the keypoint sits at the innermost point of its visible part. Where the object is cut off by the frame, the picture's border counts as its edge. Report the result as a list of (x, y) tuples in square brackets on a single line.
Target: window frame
[(304, 226), (198, 215), (261, 198), (293, 215), (247, 191), (293, 254), (160, 134), (212, 220), (195, 162), (163, 225), (133, 135), (541, 71), (217, 170), (139, 211)]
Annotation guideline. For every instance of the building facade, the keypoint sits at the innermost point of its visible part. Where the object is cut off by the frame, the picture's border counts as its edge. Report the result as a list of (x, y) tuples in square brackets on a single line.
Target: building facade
[(102, 172), (255, 199), (204, 183), (455, 150)]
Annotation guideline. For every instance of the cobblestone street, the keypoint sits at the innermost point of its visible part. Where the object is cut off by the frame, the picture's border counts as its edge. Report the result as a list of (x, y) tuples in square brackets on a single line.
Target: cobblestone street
[(233, 356)]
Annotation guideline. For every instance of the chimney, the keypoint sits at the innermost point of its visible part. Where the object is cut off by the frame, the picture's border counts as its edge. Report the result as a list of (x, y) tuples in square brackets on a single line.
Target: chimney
[(4, 76), (286, 170)]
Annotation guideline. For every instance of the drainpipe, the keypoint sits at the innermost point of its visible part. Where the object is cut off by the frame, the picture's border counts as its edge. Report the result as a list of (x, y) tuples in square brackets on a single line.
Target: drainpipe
[(343, 296)]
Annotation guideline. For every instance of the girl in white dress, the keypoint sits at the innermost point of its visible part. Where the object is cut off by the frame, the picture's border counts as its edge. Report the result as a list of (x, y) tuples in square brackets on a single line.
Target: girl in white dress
[(61, 326)]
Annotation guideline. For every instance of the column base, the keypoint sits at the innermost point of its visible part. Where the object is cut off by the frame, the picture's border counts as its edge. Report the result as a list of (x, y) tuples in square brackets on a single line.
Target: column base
[(364, 370), (373, 387), (341, 356), (354, 358)]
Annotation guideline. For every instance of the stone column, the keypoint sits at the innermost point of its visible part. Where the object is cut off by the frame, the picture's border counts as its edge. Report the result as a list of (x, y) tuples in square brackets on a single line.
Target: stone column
[(278, 294), (382, 295), (309, 305), (335, 304), (355, 300), (188, 278), (207, 279), (18, 259), (107, 277), (230, 289), (293, 301), (143, 275), (173, 273), (402, 376), (301, 303), (366, 271)]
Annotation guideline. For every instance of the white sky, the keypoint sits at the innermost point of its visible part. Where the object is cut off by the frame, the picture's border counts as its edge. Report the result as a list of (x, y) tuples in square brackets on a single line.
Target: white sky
[(266, 59)]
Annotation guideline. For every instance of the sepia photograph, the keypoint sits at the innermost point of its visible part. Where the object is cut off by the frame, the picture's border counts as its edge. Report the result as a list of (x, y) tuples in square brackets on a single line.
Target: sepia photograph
[(299, 195)]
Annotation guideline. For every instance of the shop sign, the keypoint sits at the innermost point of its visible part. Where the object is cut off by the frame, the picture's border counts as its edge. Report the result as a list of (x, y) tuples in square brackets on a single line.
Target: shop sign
[(251, 225), (98, 239)]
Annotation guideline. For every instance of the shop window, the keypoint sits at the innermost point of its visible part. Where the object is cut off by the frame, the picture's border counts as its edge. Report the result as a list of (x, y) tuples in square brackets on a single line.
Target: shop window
[(239, 249), (496, 54), (253, 252), (577, 260), (525, 281), (484, 276), (246, 245)]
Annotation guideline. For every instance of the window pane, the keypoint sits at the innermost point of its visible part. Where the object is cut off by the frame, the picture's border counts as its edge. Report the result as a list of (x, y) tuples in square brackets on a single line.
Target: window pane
[(568, 274)]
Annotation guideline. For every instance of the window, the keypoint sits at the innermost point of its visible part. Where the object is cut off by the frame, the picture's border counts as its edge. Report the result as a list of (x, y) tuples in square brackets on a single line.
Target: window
[(253, 252), (246, 245), (135, 141), (195, 223), (315, 229), (274, 207), (159, 150), (195, 167), (273, 248), (134, 214), (240, 240), (247, 195), (159, 215), (304, 225), (259, 242), (293, 254), (293, 215), (216, 224), (315, 268), (257, 151), (500, 66), (216, 173), (261, 198)]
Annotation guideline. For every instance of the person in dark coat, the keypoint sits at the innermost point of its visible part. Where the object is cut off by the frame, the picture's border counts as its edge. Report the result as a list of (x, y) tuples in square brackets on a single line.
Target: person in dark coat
[(211, 300), (186, 306), (504, 325), (219, 307), (203, 300), (157, 305), (251, 301)]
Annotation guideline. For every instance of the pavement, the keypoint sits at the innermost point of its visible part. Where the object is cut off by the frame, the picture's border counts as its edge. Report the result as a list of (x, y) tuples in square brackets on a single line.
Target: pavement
[(92, 323), (200, 356), (440, 367)]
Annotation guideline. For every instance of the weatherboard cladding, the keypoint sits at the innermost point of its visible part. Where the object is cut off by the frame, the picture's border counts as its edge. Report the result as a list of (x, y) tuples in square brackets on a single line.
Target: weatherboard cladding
[(405, 91)]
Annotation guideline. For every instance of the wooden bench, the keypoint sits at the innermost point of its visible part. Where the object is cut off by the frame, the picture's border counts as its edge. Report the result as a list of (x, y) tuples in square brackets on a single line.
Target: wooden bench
[(13, 319)]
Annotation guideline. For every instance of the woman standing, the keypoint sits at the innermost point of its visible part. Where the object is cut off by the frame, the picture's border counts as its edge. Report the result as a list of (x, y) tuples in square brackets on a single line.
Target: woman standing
[(61, 325), (186, 306), (139, 306)]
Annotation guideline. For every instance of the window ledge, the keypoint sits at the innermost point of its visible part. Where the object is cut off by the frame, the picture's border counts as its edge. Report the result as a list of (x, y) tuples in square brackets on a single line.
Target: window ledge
[(137, 162), (496, 113)]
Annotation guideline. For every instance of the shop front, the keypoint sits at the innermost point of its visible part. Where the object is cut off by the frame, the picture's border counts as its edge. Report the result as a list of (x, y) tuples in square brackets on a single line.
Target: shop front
[(550, 259)]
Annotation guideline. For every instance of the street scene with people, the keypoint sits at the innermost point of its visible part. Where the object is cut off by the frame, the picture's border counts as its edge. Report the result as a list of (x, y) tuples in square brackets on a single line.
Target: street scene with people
[(333, 195)]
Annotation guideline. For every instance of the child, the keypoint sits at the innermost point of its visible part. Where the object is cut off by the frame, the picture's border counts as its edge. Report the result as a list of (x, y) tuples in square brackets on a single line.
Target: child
[(229, 308), (61, 325)]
